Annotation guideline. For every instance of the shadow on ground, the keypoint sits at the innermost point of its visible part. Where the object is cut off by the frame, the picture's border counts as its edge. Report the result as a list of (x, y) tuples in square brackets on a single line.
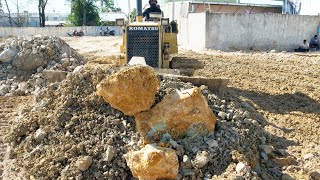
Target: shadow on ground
[(280, 104)]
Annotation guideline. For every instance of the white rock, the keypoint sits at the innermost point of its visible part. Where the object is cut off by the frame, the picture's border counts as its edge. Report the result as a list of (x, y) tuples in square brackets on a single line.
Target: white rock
[(110, 153), (7, 55), (77, 69), (222, 115), (201, 159), (4, 89), (23, 86), (84, 163), (241, 167), (39, 69), (308, 156), (40, 135)]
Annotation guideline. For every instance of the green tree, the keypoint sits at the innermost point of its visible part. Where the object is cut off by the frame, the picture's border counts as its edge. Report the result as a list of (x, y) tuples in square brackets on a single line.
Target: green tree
[(108, 5), (84, 12), (133, 15)]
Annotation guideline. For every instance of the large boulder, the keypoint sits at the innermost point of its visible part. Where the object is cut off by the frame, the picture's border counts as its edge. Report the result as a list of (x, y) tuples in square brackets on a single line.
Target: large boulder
[(181, 113), (153, 163), (26, 61), (7, 55), (130, 90)]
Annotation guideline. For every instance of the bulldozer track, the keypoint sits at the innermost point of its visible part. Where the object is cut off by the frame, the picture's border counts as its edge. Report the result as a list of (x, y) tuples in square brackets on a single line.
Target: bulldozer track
[(8, 105)]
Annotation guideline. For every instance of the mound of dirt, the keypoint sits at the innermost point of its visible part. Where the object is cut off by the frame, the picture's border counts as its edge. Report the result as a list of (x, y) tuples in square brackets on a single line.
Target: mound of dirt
[(31, 63), (71, 132)]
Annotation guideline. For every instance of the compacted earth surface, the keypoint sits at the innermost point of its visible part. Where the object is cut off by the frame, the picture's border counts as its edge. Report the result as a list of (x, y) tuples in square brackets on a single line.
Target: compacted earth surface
[(268, 117)]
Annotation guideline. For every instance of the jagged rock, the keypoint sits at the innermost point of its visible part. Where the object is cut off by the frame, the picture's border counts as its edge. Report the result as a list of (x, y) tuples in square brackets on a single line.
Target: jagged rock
[(201, 159), (110, 153), (131, 90), (26, 62), (54, 76), (4, 89), (153, 163), (7, 55), (241, 167), (181, 113), (266, 149), (84, 163), (40, 135)]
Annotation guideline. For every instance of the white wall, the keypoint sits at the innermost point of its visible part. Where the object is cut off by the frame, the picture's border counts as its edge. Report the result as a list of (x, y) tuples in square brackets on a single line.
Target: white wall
[(259, 31), (197, 31), (54, 31), (181, 13)]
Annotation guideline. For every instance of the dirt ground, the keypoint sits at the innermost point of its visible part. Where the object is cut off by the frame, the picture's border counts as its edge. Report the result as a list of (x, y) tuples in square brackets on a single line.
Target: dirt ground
[(283, 87), (8, 105)]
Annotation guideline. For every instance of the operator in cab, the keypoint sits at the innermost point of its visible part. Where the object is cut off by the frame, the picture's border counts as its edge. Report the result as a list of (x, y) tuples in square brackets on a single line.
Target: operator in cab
[(154, 8)]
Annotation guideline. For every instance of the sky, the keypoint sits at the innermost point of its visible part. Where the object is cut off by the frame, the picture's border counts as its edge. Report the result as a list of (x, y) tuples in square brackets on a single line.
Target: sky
[(309, 7)]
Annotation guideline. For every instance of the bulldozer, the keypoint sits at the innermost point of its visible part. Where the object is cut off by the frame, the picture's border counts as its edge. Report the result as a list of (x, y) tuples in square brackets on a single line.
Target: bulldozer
[(153, 41)]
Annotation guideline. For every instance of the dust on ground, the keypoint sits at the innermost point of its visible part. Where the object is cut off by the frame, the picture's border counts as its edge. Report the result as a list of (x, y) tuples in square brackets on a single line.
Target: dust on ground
[(284, 87), (94, 47)]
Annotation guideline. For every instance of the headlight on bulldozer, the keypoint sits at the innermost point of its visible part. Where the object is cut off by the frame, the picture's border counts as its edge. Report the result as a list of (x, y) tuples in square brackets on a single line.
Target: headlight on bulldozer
[(120, 22), (165, 21)]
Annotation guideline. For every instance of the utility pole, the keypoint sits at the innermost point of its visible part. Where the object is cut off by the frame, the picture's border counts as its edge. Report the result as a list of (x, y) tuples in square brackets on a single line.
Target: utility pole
[(129, 11), (84, 13), (173, 10)]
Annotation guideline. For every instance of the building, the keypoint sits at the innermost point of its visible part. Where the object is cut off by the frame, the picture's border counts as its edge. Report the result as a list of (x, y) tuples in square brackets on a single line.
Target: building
[(239, 6)]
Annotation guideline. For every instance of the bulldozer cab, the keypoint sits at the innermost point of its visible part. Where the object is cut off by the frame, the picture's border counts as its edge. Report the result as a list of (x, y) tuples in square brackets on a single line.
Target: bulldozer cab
[(154, 41)]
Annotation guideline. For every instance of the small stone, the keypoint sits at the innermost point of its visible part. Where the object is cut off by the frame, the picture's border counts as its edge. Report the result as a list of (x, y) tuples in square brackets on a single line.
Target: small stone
[(246, 114), (242, 167), (110, 153), (314, 175), (40, 135), (263, 140), (39, 69), (264, 156), (84, 163), (212, 143), (308, 156), (237, 118), (153, 162), (222, 115), (286, 177), (266, 148), (186, 162), (201, 159), (280, 152)]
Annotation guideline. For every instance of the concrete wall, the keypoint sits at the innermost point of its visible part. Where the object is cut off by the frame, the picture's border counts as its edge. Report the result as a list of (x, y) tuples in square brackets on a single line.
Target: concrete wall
[(231, 31), (197, 31), (259, 31), (54, 31)]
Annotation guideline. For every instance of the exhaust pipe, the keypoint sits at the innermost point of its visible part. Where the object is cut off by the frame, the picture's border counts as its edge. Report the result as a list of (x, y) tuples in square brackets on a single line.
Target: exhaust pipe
[(139, 10)]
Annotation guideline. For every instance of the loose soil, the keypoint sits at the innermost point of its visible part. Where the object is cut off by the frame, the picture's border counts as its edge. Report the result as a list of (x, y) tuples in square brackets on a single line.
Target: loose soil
[(283, 87)]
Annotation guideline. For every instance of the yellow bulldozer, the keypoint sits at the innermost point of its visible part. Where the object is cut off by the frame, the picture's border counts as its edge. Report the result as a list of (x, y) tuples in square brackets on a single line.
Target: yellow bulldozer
[(154, 41)]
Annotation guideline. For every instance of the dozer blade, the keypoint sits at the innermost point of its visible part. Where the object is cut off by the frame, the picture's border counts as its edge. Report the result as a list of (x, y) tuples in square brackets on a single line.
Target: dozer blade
[(216, 85)]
